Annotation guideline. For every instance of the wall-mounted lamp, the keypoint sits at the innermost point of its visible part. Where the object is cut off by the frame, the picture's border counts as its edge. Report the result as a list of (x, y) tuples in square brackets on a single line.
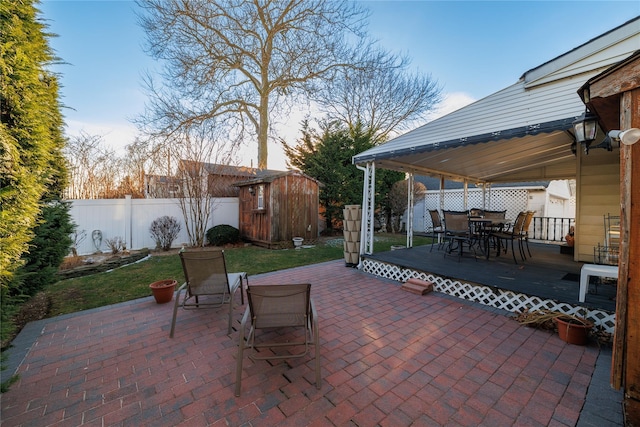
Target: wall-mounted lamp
[(585, 128), (252, 190)]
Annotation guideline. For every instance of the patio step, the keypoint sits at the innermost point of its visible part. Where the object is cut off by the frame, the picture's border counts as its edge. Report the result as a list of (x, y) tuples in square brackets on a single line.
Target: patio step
[(417, 286)]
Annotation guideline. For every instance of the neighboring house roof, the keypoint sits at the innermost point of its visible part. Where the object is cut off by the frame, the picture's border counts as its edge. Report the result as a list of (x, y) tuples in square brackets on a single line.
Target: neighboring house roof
[(519, 133)]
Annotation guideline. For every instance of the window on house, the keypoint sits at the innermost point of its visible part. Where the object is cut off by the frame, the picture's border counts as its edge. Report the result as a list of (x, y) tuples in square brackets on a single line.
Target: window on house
[(260, 196)]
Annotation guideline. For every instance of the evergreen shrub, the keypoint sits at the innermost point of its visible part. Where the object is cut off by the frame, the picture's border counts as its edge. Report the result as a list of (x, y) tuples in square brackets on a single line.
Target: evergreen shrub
[(223, 234)]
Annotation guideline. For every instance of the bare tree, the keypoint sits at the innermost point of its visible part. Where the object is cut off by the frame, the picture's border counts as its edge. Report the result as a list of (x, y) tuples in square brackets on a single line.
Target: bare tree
[(196, 150), (136, 163), (97, 172), (398, 201), (92, 168), (382, 96), (234, 64)]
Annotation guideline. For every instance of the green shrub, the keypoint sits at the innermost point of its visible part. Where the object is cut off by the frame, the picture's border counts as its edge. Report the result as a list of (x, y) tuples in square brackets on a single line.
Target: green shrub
[(223, 234)]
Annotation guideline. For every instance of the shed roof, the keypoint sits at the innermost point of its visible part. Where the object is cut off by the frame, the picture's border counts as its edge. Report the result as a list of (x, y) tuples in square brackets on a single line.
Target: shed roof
[(520, 133), (262, 176)]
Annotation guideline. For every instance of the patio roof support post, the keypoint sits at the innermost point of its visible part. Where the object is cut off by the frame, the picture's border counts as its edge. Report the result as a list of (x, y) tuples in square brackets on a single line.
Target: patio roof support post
[(484, 196), (441, 193), (465, 196), (410, 203), (368, 209)]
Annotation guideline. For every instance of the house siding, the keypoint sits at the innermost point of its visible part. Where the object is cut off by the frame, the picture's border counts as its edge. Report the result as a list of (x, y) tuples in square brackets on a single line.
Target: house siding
[(598, 184)]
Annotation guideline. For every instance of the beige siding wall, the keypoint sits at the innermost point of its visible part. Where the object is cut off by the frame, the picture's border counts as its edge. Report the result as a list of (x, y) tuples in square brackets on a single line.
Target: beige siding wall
[(598, 188)]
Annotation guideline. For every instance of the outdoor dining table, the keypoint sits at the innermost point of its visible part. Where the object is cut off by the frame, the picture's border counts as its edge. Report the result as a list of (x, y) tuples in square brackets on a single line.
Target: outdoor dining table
[(480, 229)]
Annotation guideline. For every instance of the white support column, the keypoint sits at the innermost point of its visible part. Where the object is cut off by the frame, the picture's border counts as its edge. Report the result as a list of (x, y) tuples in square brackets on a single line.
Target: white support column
[(410, 203), (441, 194), (465, 196), (368, 209)]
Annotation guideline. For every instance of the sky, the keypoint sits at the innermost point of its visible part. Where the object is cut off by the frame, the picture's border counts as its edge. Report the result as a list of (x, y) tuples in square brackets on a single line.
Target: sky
[(471, 48)]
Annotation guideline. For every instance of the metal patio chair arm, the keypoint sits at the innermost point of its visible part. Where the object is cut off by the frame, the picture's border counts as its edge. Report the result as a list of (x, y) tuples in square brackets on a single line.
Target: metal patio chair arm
[(175, 308), (241, 342), (316, 341)]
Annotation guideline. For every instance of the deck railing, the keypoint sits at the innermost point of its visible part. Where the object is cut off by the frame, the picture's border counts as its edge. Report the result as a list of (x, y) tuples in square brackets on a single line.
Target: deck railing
[(550, 229)]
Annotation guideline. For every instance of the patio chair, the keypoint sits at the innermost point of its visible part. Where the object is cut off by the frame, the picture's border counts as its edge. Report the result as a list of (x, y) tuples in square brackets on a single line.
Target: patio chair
[(207, 283), (511, 235), (437, 228), (498, 223), (281, 309), (457, 232), (525, 230)]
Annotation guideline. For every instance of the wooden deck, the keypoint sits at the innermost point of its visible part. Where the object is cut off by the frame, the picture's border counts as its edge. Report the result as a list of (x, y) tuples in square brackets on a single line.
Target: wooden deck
[(547, 274)]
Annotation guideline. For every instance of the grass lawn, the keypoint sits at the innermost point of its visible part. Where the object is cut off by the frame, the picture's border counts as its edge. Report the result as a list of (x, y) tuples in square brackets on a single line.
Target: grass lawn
[(132, 281)]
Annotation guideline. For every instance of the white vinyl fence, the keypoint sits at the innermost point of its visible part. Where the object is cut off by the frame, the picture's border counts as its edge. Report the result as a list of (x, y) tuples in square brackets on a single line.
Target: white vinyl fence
[(130, 219)]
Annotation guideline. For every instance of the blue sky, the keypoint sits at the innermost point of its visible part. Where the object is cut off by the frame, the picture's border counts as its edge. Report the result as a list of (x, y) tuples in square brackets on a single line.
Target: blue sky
[(471, 48)]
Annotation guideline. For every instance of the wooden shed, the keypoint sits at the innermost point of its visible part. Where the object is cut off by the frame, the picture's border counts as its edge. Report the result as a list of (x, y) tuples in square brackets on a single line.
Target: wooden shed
[(275, 207)]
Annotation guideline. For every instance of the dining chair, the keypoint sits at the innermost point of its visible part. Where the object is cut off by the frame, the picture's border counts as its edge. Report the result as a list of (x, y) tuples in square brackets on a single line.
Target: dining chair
[(457, 232), (510, 236), (525, 230), (437, 228)]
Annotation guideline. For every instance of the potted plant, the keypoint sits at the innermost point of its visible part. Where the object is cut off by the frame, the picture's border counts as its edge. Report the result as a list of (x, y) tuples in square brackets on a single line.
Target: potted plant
[(571, 328), (163, 290)]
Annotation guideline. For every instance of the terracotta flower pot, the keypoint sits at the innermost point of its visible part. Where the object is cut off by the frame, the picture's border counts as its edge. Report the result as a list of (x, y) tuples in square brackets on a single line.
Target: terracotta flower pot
[(163, 290), (573, 331)]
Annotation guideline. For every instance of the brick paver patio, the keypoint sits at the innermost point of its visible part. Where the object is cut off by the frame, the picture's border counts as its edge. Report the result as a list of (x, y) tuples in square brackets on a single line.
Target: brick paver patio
[(389, 358)]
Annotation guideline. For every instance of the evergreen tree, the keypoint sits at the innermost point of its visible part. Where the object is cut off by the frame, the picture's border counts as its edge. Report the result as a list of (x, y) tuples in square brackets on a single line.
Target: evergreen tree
[(326, 156), (32, 168)]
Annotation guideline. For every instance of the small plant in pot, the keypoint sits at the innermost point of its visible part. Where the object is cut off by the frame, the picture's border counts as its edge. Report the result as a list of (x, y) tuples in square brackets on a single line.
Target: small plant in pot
[(571, 328), (163, 290)]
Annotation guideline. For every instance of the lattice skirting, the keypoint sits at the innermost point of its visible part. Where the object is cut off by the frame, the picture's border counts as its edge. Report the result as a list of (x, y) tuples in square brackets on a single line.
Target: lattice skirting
[(499, 298)]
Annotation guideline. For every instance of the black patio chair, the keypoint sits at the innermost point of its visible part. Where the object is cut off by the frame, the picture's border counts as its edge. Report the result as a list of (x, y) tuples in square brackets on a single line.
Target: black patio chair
[(515, 233), (457, 232)]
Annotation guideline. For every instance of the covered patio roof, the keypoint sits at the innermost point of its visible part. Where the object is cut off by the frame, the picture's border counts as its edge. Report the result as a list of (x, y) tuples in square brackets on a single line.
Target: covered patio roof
[(521, 133)]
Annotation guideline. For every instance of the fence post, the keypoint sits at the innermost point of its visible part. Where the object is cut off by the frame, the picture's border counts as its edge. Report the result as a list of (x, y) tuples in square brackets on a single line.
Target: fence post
[(128, 221)]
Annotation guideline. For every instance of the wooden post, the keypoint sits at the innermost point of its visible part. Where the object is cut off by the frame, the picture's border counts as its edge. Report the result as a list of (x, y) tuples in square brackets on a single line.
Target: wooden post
[(627, 342), (614, 96)]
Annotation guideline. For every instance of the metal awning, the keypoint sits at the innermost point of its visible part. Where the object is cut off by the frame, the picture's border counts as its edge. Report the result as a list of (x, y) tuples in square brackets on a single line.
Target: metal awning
[(520, 133), (505, 157)]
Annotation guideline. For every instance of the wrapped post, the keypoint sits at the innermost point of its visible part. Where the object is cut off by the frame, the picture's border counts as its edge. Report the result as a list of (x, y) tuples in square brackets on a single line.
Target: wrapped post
[(351, 229)]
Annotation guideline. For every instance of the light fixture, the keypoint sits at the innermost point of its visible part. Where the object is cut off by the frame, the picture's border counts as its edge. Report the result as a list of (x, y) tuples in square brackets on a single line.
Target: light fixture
[(251, 190), (585, 128), (627, 137)]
